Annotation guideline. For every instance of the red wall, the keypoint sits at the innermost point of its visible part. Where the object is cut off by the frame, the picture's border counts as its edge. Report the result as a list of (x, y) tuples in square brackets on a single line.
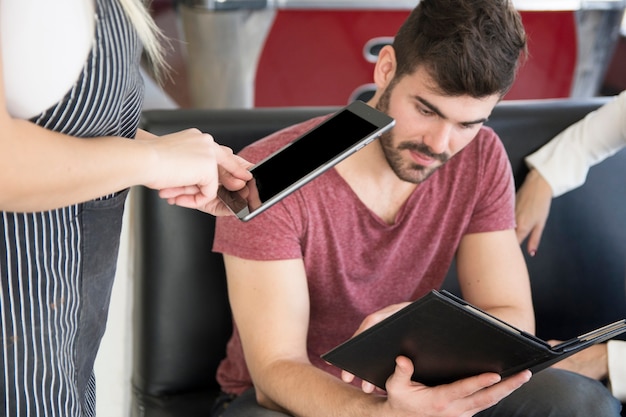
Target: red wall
[(314, 57)]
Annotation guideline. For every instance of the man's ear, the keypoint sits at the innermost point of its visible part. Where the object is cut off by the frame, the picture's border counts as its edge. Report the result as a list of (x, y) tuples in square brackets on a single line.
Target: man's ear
[(385, 68)]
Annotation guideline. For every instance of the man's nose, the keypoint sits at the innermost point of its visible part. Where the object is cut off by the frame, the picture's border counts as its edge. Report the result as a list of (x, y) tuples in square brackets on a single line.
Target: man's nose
[(438, 138)]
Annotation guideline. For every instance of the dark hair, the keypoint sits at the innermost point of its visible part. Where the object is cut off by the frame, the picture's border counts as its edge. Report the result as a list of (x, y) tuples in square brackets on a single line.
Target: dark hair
[(468, 47)]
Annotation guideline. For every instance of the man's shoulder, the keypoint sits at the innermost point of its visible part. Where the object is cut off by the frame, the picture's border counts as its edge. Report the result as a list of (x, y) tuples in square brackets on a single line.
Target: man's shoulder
[(486, 142), (486, 133)]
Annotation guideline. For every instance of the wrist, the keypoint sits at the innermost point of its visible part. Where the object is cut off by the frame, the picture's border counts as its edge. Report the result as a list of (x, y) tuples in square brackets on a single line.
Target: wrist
[(540, 181), (146, 160)]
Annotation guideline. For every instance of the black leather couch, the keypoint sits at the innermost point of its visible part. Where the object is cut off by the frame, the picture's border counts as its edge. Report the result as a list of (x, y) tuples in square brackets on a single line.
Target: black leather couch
[(181, 314)]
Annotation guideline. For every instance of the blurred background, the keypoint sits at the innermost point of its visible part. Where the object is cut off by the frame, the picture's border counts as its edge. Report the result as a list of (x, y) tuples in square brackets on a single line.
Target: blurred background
[(310, 52)]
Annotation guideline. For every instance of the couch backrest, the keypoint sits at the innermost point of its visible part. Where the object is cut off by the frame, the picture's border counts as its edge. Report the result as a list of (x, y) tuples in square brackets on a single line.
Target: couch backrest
[(181, 314)]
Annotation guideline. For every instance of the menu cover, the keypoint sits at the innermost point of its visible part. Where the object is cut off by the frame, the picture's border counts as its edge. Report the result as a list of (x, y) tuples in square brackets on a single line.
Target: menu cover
[(449, 339)]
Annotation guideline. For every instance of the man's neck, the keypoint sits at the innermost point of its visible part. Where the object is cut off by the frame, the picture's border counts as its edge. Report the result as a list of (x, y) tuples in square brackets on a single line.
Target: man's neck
[(374, 182)]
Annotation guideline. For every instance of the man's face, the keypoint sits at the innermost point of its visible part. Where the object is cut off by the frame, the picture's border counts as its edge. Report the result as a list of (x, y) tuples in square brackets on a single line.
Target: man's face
[(430, 128)]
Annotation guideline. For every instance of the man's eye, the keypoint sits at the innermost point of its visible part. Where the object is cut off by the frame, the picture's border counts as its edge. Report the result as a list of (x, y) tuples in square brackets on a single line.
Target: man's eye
[(424, 111)]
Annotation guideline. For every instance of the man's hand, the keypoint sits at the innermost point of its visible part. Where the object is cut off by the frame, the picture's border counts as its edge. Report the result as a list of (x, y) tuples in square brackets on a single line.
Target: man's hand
[(462, 398)]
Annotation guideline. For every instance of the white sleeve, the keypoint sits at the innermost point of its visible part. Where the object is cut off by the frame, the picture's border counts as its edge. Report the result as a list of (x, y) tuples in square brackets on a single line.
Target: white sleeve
[(566, 159), (617, 368)]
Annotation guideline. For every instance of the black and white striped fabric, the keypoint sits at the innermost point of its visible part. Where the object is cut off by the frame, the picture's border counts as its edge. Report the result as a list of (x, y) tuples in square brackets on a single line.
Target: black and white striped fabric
[(57, 267)]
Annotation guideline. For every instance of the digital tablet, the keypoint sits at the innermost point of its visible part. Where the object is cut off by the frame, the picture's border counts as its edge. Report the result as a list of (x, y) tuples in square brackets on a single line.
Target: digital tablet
[(304, 159)]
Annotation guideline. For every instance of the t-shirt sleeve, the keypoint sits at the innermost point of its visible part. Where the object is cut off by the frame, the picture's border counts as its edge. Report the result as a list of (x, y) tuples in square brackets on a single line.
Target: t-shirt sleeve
[(495, 194), (272, 235)]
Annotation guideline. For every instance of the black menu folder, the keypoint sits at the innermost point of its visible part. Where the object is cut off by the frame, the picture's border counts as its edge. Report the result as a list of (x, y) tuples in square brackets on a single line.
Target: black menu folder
[(448, 339)]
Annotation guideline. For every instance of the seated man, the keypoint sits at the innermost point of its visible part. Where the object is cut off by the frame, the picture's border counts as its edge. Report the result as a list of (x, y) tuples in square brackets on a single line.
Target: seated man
[(381, 229)]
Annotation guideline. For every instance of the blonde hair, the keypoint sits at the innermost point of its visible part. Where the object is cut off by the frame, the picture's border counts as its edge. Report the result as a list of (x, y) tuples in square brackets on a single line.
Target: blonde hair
[(149, 33)]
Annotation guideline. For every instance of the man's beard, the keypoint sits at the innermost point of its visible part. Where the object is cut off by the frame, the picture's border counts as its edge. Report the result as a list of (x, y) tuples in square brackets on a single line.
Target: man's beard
[(406, 171)]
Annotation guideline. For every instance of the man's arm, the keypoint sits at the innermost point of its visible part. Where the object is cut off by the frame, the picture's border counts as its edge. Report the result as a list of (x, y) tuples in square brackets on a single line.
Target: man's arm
[(270, 305), (493, 276)]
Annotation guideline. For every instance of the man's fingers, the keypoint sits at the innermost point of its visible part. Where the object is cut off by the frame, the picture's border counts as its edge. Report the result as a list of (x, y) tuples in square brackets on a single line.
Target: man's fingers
[(403, 372), (347, 376)]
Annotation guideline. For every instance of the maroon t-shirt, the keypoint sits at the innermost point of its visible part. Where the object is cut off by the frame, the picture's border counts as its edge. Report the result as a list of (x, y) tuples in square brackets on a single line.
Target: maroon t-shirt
[(356, 263)]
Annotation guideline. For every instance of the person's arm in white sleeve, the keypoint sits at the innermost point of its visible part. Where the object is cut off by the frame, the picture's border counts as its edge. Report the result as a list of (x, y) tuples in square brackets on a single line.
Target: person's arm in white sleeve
[(617, 368), (565, 160), (562, 165)]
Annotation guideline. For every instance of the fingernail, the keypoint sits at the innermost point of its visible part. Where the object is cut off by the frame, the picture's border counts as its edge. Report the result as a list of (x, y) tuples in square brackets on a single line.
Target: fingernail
[(532, 252)]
